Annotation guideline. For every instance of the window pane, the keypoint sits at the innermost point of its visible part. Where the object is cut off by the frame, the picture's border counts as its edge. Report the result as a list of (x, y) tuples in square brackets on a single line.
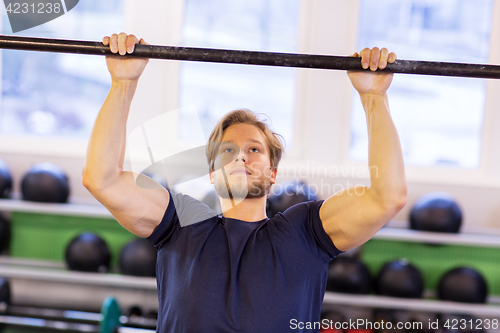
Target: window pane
[(215, 89), (439, 119), (55, 93)]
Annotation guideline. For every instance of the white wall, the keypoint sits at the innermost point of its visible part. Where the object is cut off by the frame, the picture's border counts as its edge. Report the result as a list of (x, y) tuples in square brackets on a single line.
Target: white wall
[(321, 122)]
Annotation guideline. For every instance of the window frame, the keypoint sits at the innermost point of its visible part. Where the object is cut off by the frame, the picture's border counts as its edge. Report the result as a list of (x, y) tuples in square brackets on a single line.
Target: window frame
[(322, 101), (485, 176), (145, 98)]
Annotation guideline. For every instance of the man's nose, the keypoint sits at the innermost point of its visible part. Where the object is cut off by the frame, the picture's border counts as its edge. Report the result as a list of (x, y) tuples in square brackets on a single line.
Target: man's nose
[(240, 157)]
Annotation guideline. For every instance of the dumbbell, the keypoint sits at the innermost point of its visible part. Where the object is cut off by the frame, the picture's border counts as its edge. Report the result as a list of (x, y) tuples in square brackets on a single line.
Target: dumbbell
[(109, 320)]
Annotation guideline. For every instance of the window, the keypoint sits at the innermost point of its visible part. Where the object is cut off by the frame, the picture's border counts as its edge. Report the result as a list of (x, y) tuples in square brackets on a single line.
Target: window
[(55, 94), (215, 89), (439, 119)]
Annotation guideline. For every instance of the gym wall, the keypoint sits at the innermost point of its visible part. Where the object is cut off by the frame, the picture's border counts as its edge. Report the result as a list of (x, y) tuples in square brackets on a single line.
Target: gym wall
[(323, 102)]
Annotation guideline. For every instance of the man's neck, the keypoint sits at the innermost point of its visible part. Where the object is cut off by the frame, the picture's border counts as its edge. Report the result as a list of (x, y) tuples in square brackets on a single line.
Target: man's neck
[(249, 210)]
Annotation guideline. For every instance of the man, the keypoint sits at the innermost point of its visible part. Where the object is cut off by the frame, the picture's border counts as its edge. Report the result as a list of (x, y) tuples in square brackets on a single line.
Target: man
[(243, 272)]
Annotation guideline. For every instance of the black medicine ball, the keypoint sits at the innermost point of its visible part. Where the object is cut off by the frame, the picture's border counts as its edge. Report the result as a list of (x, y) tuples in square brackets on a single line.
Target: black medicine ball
[(138, 258), (289, 194), (348, 275), (385, 315), (5, 234), (134, 311), (45, 182), (436, 211), (5, 181), (333, 318), (88, 253), (463, 284), (399, 279)]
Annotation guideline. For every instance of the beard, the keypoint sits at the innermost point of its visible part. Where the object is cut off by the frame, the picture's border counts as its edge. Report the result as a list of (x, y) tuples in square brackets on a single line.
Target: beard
[(240, 189)]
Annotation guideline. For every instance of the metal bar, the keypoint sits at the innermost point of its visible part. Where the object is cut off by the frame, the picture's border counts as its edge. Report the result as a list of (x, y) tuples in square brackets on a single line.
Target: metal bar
[(251, 57), (421, 305), (48, 324), (134, 330), (23, 311), (83, 278), (16, 205), (56, 314), (408, 235), (66, 326)]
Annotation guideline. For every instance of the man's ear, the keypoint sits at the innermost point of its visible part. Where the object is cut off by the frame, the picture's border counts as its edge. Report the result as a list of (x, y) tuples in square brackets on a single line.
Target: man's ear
[(274, 173)]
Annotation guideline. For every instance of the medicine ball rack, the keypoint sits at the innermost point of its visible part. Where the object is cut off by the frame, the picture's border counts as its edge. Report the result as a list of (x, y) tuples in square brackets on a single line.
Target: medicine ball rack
[(87, 210), (408, 235), (33, 279), (31, 270), (421, 305), (388, 233), (331, 298), (48, 284), (38, 271), (109, 320)]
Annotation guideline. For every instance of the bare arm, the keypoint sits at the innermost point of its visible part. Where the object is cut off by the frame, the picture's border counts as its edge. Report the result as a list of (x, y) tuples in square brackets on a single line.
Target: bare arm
[(352, 216), (138, 209)]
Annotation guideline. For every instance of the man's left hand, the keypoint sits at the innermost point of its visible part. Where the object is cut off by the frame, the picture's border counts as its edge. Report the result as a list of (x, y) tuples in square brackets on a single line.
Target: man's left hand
[(372, 82)]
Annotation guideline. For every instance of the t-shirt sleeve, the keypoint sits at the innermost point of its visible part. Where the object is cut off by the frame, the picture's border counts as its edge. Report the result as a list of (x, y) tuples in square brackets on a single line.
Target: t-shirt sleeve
[(305, 218), (182, 211)]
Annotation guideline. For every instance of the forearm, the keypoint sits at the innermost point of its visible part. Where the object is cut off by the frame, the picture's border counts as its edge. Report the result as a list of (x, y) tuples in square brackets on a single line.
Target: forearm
[(106, 148), (385, 158)]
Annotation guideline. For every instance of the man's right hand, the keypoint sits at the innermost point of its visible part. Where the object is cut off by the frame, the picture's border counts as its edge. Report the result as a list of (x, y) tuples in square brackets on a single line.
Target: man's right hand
[(124, 69)]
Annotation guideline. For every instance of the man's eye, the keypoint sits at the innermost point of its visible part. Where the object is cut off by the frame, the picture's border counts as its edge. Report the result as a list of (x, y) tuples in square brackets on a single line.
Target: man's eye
[(228, 150), (254, 150)]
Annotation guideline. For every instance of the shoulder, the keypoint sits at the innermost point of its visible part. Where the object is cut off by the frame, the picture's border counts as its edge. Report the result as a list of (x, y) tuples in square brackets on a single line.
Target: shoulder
[(190, 210), (299, 217), (304, 210), (182, 211), (305, 222)]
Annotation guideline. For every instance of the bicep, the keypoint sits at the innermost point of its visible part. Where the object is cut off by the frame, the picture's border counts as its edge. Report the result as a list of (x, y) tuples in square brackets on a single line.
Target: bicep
[(352, 216), (138, 208)]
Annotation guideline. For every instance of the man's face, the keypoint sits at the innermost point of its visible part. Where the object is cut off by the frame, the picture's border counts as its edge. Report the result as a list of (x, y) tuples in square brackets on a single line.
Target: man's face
[(242, 166)]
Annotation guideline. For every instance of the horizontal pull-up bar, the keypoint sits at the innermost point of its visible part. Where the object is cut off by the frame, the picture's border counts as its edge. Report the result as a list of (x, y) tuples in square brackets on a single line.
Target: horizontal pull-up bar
[(250, 57)]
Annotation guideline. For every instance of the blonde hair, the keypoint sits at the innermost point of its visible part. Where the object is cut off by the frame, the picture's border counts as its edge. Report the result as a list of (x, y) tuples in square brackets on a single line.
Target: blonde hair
[(275, 141)]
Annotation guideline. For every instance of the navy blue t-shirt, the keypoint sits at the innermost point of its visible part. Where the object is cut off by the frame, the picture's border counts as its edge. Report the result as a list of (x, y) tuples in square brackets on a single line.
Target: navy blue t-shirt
[(228, 275)]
